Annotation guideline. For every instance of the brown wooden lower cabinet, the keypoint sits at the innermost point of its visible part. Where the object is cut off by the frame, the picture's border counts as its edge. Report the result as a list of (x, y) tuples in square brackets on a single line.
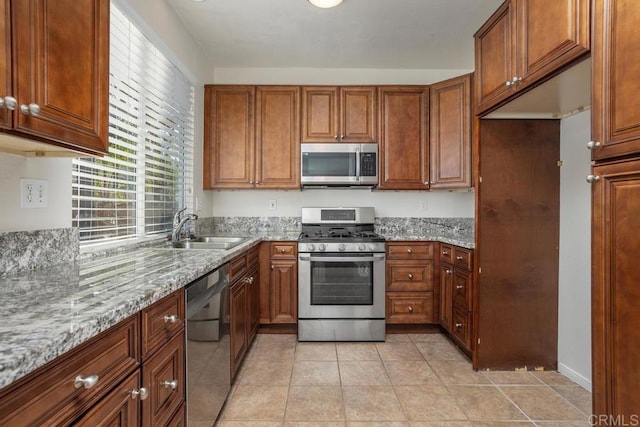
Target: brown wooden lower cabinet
[(117, 409), (164, 377), (244, 305), (615, 292), (48, 396), (410, 291)]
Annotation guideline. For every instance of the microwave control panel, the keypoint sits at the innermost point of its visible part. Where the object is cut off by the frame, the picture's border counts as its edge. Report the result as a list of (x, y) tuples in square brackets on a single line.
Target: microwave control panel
[(368, 164)]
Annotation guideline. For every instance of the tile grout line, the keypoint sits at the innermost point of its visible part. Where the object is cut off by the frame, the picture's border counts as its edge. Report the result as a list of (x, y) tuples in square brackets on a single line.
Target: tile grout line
[(498, 386), (567, 400)]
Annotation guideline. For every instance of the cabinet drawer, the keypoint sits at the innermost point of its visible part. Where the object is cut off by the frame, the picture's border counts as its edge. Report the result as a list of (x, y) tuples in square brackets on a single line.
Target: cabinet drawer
[(409, 250), (462, 258), (408, 307), (461, 330), (161, 321), (446, 253), (164, 377), (48, 395), (462, 281), (283, 250), (237, 267), (117, 408), (410, 276), (178, 419)]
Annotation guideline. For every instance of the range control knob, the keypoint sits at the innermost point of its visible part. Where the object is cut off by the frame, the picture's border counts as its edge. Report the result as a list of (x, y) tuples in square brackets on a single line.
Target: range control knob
[(311, 247), (322, 247), (361, 247), (372, 247), (342, 247)]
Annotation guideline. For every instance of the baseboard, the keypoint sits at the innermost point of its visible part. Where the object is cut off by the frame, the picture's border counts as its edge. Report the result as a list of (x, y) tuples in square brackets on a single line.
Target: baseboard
[(574, 376)]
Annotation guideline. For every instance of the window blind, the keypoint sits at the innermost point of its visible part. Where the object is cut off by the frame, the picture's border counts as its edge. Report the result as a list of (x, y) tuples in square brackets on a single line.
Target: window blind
[(134, 190)]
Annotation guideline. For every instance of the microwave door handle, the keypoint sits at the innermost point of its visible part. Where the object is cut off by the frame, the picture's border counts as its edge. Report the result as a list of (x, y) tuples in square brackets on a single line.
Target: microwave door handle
[(357, 164)]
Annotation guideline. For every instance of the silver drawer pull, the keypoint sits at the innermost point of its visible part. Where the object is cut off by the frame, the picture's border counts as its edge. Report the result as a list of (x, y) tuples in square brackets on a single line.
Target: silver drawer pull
[(142, 393), (87, 382), (445, 253), (409, 250), (170, 319), (447, 271), (173, 384), (458, 325), (410, 309), (459, 257), (459, 287), (410, 276)]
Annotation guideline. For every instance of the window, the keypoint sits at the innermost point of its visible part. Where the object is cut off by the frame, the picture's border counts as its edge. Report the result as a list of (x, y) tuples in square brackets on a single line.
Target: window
[(133, 192)]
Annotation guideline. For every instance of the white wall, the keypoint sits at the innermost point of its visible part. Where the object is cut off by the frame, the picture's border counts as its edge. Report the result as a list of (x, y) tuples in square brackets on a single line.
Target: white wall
[(401, 204), (394, 203), (164, 28), (574, 320), (58, 174)]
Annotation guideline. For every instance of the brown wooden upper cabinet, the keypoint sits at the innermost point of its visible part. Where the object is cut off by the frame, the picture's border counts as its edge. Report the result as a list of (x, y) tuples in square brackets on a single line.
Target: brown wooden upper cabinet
[(252, 137), (58, 92), (404, 137), (450, 135), (339, 114), (525, 42), (616, 106)]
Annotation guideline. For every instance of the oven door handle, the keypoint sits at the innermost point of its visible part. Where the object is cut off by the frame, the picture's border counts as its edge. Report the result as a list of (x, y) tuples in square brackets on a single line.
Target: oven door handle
[(375, 257)]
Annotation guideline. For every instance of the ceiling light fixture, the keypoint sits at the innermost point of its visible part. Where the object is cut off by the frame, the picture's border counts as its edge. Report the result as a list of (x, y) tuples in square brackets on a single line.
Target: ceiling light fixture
[(325, 4)]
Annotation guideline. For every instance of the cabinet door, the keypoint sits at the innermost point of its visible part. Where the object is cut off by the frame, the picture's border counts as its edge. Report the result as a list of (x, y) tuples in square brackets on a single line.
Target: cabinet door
[(164, 377), (62, 66), (358, 118), (229, 145), (616, 294), (616, 78), (5, 62), (495, 57), (253, 304), (450, 137), (404, 137), (446, 295), (551, 34), (284, 291), (117, 409), (238, 307), (320, 114), (278, 137)]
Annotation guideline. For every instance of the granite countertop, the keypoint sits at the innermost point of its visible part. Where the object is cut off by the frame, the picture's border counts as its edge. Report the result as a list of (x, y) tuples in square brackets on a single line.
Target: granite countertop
[(49, 311), (459, 241)]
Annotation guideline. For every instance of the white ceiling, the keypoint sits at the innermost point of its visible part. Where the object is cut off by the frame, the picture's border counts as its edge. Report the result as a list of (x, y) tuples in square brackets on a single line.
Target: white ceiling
[(411, 34)]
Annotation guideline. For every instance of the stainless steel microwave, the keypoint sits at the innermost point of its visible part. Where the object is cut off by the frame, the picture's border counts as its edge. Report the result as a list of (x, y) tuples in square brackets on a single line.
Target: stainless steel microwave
[(339, 165)]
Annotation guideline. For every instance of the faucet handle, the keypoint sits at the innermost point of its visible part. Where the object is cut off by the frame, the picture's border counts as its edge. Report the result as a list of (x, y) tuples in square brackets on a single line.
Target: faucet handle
[(178, 217)]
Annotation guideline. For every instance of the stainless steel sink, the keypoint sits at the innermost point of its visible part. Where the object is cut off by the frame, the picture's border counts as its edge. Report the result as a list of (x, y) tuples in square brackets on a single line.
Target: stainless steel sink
[(210, 242)]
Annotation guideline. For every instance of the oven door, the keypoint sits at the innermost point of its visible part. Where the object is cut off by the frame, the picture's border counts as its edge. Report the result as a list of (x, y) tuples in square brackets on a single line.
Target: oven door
[(341, 286)]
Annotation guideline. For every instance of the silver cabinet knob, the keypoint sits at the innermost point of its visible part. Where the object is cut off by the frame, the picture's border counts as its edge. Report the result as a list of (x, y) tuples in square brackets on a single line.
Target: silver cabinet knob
[(170, 319), (342, 136), (459, 287), (410, 276), (592, 179), (409, 250), (410, 309), (251, 182), (173, 384), (445, 253), (426, 183), (459, 257), (9, 103), (335, 137), (593, 144), (447, 271), (141, 392), (517, 79), (458, 325), (508, 83), (86, 382), (30, 110)]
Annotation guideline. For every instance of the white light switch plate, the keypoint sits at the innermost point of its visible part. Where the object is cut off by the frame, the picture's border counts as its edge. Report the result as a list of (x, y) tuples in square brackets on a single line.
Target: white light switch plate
[(34, 193), (273, 205)]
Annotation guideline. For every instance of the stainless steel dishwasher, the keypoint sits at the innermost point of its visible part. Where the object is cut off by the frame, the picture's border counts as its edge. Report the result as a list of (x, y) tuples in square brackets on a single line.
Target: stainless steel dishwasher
[(208, 346)]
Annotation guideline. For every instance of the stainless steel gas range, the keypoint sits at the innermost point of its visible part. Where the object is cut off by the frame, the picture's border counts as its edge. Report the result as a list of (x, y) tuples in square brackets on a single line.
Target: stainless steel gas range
[(341, 290)]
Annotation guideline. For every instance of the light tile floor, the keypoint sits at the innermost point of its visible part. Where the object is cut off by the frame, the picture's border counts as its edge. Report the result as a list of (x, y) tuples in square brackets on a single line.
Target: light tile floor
[(409, 380)]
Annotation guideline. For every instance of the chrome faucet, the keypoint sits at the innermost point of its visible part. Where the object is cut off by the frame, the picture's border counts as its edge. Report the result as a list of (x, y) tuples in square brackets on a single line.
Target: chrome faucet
[(177, 228)]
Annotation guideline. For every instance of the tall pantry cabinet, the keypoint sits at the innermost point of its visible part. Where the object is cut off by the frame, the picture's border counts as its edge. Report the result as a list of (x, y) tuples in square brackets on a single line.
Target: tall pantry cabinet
[(616, 211)]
